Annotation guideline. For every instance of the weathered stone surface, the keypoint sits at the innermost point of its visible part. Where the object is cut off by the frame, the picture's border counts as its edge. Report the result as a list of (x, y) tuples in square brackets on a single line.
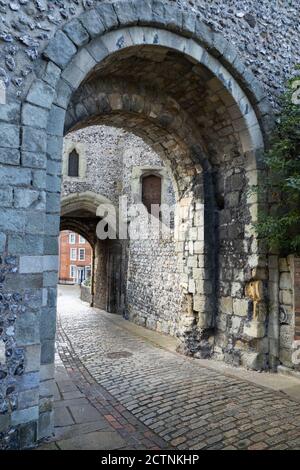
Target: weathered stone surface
[(6, 197), (19, 177), (52, 74), (33, 160), (285, 281), (9, 156), (41, 94), (92, 23), (28, 435), (33, 140), (27, 329), (56, 121), (9, 112), (241, 307), (60, 50), (28, 198), (63, 94), (34, 116), (28, 398), (2, 241), (126, 13), (4, 422), (47, 352), (97, 49), (25, 416), (77, 33), (108, 15), (32, 361), (9, 136), (48, 317), (45, 427)]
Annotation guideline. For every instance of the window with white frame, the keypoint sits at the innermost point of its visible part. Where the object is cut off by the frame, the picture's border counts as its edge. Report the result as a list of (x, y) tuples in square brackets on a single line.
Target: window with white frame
[(73, 271), (72, 238), (81, 254), (73, 254), (81, 239)]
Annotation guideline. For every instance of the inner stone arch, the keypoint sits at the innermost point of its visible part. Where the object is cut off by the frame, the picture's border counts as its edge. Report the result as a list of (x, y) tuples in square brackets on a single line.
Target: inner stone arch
[(79, 213)]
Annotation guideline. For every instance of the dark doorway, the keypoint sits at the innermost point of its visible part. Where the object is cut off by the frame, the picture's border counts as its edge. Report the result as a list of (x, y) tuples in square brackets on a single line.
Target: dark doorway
[(151, 191), (114, 280)]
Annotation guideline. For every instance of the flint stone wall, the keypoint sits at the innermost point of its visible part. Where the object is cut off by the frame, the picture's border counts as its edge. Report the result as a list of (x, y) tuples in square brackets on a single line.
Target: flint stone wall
[(264, 33)]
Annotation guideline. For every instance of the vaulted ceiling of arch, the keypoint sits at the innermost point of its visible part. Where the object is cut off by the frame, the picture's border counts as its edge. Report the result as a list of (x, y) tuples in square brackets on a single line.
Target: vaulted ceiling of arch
[(192, 85), (83, 223)]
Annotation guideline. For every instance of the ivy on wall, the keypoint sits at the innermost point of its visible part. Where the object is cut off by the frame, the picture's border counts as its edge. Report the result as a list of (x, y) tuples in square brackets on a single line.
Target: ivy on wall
[(280, 224)]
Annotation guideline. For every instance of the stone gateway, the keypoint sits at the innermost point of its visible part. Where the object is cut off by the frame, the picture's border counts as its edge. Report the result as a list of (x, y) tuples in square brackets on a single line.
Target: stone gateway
[(199, 85)]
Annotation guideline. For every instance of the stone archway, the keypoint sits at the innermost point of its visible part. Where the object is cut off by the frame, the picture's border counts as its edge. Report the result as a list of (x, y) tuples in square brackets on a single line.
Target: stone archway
[(79, 214), (70, 60)]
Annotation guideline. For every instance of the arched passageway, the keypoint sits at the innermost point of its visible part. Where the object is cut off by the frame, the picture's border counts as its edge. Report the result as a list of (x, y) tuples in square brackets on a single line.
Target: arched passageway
[(181, 87), (212, 159), (108, 279), (75, 259)]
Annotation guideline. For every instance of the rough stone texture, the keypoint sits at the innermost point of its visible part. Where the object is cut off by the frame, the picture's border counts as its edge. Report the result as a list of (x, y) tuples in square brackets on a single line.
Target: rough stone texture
[(287, 306), (265, 35)]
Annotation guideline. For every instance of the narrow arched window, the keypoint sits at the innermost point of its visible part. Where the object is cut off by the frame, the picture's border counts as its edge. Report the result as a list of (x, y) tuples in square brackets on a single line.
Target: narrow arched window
[(73, 164), (151, 192)]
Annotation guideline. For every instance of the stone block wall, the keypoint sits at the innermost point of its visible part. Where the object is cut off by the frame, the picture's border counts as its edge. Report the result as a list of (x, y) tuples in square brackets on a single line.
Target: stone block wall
[(288, 294)]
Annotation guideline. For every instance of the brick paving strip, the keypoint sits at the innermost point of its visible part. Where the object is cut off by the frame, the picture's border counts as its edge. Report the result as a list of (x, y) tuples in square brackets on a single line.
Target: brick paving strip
[(154, 398)]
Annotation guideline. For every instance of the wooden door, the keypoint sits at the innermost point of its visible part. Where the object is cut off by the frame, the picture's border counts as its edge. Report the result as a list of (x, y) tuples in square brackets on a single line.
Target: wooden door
[(114, 280)]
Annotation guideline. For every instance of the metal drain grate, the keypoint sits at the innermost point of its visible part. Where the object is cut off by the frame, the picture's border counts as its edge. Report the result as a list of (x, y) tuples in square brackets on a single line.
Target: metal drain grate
[(118, 354)]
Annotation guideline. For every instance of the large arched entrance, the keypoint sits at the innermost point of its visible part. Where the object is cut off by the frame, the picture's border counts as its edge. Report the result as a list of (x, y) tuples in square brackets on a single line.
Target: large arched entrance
[(181, 87)]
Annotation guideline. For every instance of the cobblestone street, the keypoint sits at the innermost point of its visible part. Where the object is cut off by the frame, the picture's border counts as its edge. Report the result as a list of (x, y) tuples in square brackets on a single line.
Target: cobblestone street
[(154, 398)]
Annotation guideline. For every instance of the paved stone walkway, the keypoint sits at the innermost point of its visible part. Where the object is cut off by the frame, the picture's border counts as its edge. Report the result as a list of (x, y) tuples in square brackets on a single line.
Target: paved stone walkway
[(150, 398)]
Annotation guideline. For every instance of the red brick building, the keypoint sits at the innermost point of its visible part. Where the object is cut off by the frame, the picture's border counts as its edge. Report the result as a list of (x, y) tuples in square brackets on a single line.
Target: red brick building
[(75, 258)]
